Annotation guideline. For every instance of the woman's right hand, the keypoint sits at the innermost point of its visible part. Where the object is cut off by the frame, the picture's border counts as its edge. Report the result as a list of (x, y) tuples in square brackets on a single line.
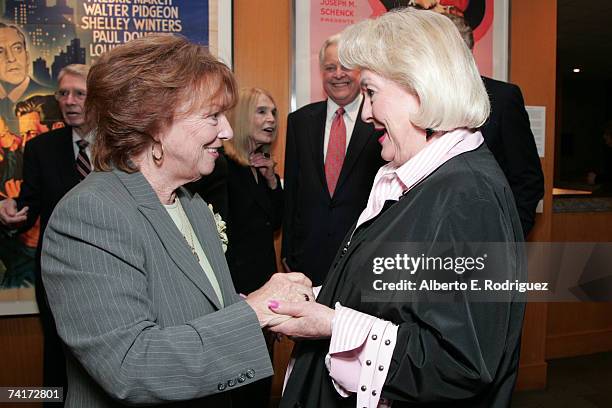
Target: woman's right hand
[(290, 287), (265, 166)]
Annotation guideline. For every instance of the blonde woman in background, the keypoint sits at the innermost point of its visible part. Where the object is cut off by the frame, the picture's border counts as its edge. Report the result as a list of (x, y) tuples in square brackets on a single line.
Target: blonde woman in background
[(255, 195), (255, 203)]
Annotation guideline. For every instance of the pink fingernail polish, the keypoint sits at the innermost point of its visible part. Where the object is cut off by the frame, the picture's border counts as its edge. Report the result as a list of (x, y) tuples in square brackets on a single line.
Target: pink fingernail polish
[(272, 304)]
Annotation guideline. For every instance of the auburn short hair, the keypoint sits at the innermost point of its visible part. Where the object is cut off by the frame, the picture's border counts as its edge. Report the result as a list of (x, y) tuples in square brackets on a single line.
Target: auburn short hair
[(135, 92)]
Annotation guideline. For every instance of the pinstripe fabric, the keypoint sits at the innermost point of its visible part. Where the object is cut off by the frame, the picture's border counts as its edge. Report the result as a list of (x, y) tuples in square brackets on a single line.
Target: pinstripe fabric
[(132, 304)]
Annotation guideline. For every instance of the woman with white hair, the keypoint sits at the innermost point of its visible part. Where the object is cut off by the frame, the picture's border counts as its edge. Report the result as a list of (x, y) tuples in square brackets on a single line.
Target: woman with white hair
[(441, 190)]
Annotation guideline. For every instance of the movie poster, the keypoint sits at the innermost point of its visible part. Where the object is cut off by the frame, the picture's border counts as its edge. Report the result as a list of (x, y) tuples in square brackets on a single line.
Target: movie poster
[(316, 20), (37, 39)]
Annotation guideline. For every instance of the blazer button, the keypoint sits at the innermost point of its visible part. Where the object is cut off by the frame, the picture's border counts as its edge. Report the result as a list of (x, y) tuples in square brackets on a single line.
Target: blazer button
[(221, 387), (241, 378), (345, 250), (250, 373), (231, 383)]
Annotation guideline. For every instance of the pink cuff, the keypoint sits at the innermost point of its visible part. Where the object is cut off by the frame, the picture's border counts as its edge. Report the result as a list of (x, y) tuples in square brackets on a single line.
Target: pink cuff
[(359, 355)]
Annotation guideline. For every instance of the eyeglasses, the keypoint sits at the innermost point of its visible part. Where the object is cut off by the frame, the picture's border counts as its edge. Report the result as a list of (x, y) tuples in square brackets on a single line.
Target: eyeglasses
[(64, 93)]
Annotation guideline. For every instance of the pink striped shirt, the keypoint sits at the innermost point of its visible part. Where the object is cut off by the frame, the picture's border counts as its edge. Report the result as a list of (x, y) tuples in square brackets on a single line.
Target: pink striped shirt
[(391, 181)]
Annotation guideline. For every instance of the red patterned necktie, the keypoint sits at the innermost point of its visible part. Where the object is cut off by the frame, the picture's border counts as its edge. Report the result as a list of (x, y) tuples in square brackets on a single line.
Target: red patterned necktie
[(336, 150), (83, 165)]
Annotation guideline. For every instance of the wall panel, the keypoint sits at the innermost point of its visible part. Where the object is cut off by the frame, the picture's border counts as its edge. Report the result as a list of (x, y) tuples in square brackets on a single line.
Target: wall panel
[(533, 45), (20, 354), (579, 328)]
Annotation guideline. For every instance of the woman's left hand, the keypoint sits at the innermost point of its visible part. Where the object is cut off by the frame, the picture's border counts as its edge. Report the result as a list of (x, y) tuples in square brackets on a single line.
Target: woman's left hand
[(310, 320), (265, 165)]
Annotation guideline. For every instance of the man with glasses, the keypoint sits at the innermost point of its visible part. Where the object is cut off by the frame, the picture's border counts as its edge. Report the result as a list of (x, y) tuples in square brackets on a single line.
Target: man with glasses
[(15, 81), (53, 163)]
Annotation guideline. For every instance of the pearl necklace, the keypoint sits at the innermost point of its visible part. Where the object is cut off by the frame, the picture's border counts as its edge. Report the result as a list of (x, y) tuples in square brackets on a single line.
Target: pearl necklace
[(185, 226)]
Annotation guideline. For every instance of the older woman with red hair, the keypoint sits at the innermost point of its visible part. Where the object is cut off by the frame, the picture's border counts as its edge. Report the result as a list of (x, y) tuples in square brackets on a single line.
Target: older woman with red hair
[(132, 263)]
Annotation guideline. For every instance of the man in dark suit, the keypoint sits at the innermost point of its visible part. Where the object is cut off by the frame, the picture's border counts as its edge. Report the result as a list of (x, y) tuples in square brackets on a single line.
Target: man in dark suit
[(53, 163), (508, 135), (331, 159)]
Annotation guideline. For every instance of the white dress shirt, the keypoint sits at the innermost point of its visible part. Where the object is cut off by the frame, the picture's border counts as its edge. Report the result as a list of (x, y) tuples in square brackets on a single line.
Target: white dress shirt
[(76, 137)]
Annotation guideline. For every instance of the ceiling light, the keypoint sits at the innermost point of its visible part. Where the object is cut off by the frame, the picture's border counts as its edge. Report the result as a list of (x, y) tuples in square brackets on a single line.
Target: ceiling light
[(576, 70)]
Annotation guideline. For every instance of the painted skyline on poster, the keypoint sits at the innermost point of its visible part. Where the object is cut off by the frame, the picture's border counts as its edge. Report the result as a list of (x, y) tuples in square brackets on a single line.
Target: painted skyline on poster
[(63, 32)]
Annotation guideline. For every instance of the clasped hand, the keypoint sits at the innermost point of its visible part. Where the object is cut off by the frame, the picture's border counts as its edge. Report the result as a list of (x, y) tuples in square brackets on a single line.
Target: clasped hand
[(285, 305)]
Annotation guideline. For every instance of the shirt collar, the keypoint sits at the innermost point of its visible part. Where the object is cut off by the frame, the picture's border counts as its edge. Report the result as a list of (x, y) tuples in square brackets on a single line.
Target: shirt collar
[(433, 156), (76, 137), (351, 110), (392, 181)]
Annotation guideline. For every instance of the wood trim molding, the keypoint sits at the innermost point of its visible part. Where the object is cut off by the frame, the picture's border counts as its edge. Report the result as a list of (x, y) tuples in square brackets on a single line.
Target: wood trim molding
[(578, 343), (532, 377)]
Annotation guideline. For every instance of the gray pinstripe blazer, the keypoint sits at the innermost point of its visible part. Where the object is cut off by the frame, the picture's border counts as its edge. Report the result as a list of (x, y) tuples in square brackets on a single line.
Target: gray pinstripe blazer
[(140, 320)]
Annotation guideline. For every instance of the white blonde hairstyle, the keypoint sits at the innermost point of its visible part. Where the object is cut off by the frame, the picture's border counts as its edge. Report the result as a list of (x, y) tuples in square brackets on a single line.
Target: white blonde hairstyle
[(333, 40), (423, 52)]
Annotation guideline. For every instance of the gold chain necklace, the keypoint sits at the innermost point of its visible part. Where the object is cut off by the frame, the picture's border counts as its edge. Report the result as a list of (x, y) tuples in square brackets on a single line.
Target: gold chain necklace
[(185, 226)]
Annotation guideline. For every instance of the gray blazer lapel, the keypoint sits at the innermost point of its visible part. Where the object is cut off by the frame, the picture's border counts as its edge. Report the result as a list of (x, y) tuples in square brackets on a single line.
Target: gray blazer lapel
[(205, 228), (172, 240)]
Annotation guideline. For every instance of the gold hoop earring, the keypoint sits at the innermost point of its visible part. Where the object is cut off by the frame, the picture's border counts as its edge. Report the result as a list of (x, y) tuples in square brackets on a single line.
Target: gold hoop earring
[(160, 158)]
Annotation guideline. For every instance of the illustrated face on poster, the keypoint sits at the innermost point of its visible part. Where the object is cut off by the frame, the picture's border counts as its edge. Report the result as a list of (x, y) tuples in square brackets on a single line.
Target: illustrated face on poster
[(14, 59), (328, 17)]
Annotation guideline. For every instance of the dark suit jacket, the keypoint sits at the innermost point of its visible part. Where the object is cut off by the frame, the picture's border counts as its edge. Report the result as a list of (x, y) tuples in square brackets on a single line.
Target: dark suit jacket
[(315, 224), (508, 135), (48, 174), (255, 212)]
